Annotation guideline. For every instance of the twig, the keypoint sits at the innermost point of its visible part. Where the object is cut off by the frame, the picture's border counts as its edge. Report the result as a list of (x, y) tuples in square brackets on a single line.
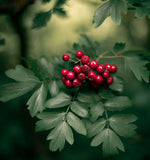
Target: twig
[(104, 53)]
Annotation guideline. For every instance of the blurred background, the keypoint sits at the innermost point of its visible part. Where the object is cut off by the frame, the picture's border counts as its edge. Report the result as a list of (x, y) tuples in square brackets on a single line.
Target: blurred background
[(18, 141)]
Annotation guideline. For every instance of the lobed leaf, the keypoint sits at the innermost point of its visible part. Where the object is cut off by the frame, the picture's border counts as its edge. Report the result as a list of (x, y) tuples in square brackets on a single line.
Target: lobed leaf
[(76, 123), (118, 103), (36, 102), (61, 100), (111, 142), (118, 47), (13, 90), (121, 123)]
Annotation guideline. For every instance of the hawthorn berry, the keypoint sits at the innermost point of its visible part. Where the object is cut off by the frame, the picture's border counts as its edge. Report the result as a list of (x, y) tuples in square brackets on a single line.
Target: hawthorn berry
[(101, 68), (77, 69), (98, 79), (66, 57), (93, 64), (113, 68), (81, 76), (106, 74), (70, 75), (63, 79), (108, 67), (109, 80), (79, 54), (68, 83), (85, 59), (64, 72), (76, 83), (85, 68), (91, 76)]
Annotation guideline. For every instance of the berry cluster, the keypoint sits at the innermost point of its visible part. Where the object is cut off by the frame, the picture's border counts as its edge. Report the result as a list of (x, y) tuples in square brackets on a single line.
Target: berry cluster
[(95, 73)]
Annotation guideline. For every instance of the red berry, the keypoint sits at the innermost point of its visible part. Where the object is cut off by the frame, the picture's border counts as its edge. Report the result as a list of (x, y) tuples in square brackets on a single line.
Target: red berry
[(119, 54), (108, 67), (93, 64), (63, 79), (66, 57), (106, 74), (100, 68), (109, 80), (64, 72), (68, 83), (113, 68), (85, 59), (70, 75), (81, 76), (91, 75), (98, 79), (79, 54), (95, 85), (85, 68), (76, 83), (77, 69)]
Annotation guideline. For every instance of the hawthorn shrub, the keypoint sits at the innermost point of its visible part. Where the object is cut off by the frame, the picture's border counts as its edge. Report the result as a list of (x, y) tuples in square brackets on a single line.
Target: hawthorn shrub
[(80, 91)]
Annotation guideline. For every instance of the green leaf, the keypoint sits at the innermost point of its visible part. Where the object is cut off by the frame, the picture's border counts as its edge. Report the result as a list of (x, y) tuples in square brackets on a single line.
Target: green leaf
[(116, 85), (48, 120), (59, 135), (36, 102), (96, 127), (41, 19), (119, 46), (60, 3), (61, 100), (116, 8), (137, 66), (102, 13), (111, 142), (96, 111), (80, 109), (53, 88), (22, 74), (142, 11), (13, 90), (76, 123), (46, 1), (121, 124), (42, 68), (88, 97), (118, 103), (60, 12)]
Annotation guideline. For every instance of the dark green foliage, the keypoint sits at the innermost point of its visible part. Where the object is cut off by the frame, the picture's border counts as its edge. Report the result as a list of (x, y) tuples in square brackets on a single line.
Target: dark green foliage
[(86, 111), (46, 1), (119, 46), (2, 41), (41, 19)]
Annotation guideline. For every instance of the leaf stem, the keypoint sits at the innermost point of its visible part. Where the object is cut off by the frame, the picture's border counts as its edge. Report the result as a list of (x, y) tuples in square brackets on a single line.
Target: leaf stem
[(72, 60), (106, 114), (104, 53), (113, 57)]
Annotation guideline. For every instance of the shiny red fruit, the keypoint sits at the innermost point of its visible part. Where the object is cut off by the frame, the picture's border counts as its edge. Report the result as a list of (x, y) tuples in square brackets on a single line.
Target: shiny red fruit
[(70, 75), (68, 83), (99, 79), (63, 79), (64, 72), (85, 59), (91, 76), (108, 67), (81, 76), (85, 68), (79, 54), (93, 64), (95, 85), (109, 80), (113, 68), (101, 68), (77, 69), (106, 74), (66, 57), (76, 83)]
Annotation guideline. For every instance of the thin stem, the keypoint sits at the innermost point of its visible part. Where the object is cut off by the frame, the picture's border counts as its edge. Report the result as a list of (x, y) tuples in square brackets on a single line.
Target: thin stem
[(112, 57), (72, 60), (77, 61), (106, 114), (104, 53)]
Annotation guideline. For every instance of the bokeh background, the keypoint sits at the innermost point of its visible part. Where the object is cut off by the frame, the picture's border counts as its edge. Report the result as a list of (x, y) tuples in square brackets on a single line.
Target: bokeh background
[(18, 141)]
